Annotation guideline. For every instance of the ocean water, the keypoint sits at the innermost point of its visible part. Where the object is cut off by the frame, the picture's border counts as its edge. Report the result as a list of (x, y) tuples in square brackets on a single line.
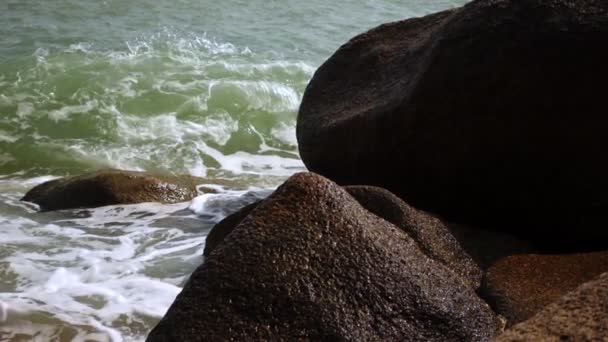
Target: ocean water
[(208, 88)]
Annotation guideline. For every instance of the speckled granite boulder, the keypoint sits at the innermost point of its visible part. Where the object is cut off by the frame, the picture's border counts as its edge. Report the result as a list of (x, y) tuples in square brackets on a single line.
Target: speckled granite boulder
[(310, 263), (431, 234)]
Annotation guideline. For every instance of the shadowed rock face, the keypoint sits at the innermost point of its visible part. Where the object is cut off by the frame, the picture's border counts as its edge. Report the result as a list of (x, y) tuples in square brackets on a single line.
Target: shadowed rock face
[(581, 315), (432, 236), (480, 114), (488, 246), (519, 286), (310, 263), (110, 187)]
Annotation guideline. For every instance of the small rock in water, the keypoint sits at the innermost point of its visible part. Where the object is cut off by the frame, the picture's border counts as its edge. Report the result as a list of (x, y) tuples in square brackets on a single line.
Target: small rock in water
[(110, 187)]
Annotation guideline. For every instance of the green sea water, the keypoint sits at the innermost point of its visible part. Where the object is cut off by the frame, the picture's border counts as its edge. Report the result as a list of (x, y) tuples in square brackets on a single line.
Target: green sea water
[(171, 85), (209, 88)]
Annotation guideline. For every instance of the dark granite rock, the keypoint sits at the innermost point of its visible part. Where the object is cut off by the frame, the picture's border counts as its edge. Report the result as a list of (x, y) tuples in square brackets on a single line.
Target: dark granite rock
[(581, 315), (487, 246), (492, 114), (109, 187), (309, 263), (519, 286)]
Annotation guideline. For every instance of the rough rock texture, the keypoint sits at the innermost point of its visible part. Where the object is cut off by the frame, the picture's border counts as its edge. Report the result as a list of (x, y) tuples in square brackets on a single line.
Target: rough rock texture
[(431, 235), (109, 187), (310, 263), (519, 286), (581, 315), (491, 113), (219, 232)]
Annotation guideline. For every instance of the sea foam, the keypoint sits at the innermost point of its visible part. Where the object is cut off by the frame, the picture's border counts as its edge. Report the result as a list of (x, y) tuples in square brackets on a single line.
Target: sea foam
[(103, 274)]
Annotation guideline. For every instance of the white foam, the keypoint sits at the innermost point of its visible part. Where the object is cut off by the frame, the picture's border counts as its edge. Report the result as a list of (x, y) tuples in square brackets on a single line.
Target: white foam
[(214, 204), (285, 133), (94, 270), (24, 109), (7, 137), (65, 111), (219, 127), (254, 95), (83, 47), (4, 100), (247, 163)]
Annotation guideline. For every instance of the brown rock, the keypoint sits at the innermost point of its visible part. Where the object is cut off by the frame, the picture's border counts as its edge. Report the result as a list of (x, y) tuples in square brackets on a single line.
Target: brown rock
[(581, 315), (309, 263), (519, 286), (430, 233), (110, 187), (490, 114)]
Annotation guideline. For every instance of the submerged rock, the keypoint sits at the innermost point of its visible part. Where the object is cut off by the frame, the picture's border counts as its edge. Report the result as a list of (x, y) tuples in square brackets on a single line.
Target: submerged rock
[(490, 114), (110, 187), (519, 286), (310, 263), (581, 315)]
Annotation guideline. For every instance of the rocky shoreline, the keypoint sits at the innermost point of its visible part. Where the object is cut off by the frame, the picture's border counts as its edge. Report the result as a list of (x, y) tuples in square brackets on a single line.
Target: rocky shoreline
[(456, 192)]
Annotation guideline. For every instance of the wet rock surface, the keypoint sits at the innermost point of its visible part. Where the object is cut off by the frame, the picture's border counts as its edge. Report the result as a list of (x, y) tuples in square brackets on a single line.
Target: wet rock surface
[(110, 187), (311, 263)]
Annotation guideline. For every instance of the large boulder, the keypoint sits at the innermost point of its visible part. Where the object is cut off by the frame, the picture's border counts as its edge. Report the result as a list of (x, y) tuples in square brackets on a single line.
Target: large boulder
[(519, 286), (581, 315), (492, 113), (110, 187), (310, 263)]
